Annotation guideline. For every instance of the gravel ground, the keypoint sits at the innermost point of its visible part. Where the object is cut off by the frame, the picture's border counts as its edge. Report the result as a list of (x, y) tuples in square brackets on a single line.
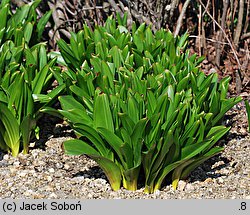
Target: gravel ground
[(48, 173), (51, 174)]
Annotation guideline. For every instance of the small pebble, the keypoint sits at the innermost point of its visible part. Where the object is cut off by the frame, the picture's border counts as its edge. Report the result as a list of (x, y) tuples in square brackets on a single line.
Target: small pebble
[(16, 163), (220, 181), (66, 166), (189, 187), (6, 157), (59, 165), (51, 170), (208, 180), (13, 169), (22, 174), (157, 192), (49, 178), (52, 196), (181, 185)]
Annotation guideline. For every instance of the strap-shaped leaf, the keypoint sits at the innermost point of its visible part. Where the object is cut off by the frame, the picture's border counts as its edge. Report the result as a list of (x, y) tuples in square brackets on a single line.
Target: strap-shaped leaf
[(68, 55), (111, 170), (26, 127), (130, 178), (42, 57), (226, 106), (178, 171), (40, 80), (68, 102), (74, 111), (215, 134), (42, 23), (137, 140), (133, 111), (194, 149), (51, 111), (163, 150), (84, 96), (152, 186), (90, 133), (115, 143), (112, 41), (223, 87), (198, 161), (116, 54), (28, 32), (102, 115), (3, 17), (78, 147), (11, 133), (127, 122)]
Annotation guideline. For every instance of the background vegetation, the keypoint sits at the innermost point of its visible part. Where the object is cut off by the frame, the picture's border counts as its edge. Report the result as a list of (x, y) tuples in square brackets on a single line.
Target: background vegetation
[(219, 30)]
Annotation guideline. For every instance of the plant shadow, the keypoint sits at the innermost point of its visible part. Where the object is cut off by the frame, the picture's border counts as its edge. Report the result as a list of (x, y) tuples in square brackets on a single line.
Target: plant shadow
[(206, 170), (51, 126), (92, 173), (97, 173)]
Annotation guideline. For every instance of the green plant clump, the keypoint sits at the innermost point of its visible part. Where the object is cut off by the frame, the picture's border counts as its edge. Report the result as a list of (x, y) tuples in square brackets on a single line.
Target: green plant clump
[(26, 74), (140, 104), (23, 24)]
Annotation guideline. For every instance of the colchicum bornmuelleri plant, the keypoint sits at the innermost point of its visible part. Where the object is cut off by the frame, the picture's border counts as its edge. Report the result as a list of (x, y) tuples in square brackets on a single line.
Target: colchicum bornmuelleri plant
[(140, 104), (26, 74), (23, 24)]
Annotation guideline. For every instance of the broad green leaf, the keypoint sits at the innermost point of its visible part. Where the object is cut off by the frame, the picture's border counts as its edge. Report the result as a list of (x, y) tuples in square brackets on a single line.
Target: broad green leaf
[(73, 110), (194, 149), (3, 17), (42, 58), (28, 32), (40, 79), (102, 113), (133, 112), (130, 178), (78, 147), (178, 171), (42, 23), (51, 111), (114, 141), (26, 127), (198, 161), (68, 55), (127, 122), (137, 140), (226, 106), (111, 170), (90, 133), (11, 133), (58, 56)]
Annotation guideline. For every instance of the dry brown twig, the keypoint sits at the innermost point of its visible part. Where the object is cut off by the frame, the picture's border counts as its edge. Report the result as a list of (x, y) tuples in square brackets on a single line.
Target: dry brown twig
[(208, 39), (246, 35), (173, 5), (114, 5), (239, 23), (180, 19), (247, 17), (199, 29), (213, 7), (219, 49), (225, 35)]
